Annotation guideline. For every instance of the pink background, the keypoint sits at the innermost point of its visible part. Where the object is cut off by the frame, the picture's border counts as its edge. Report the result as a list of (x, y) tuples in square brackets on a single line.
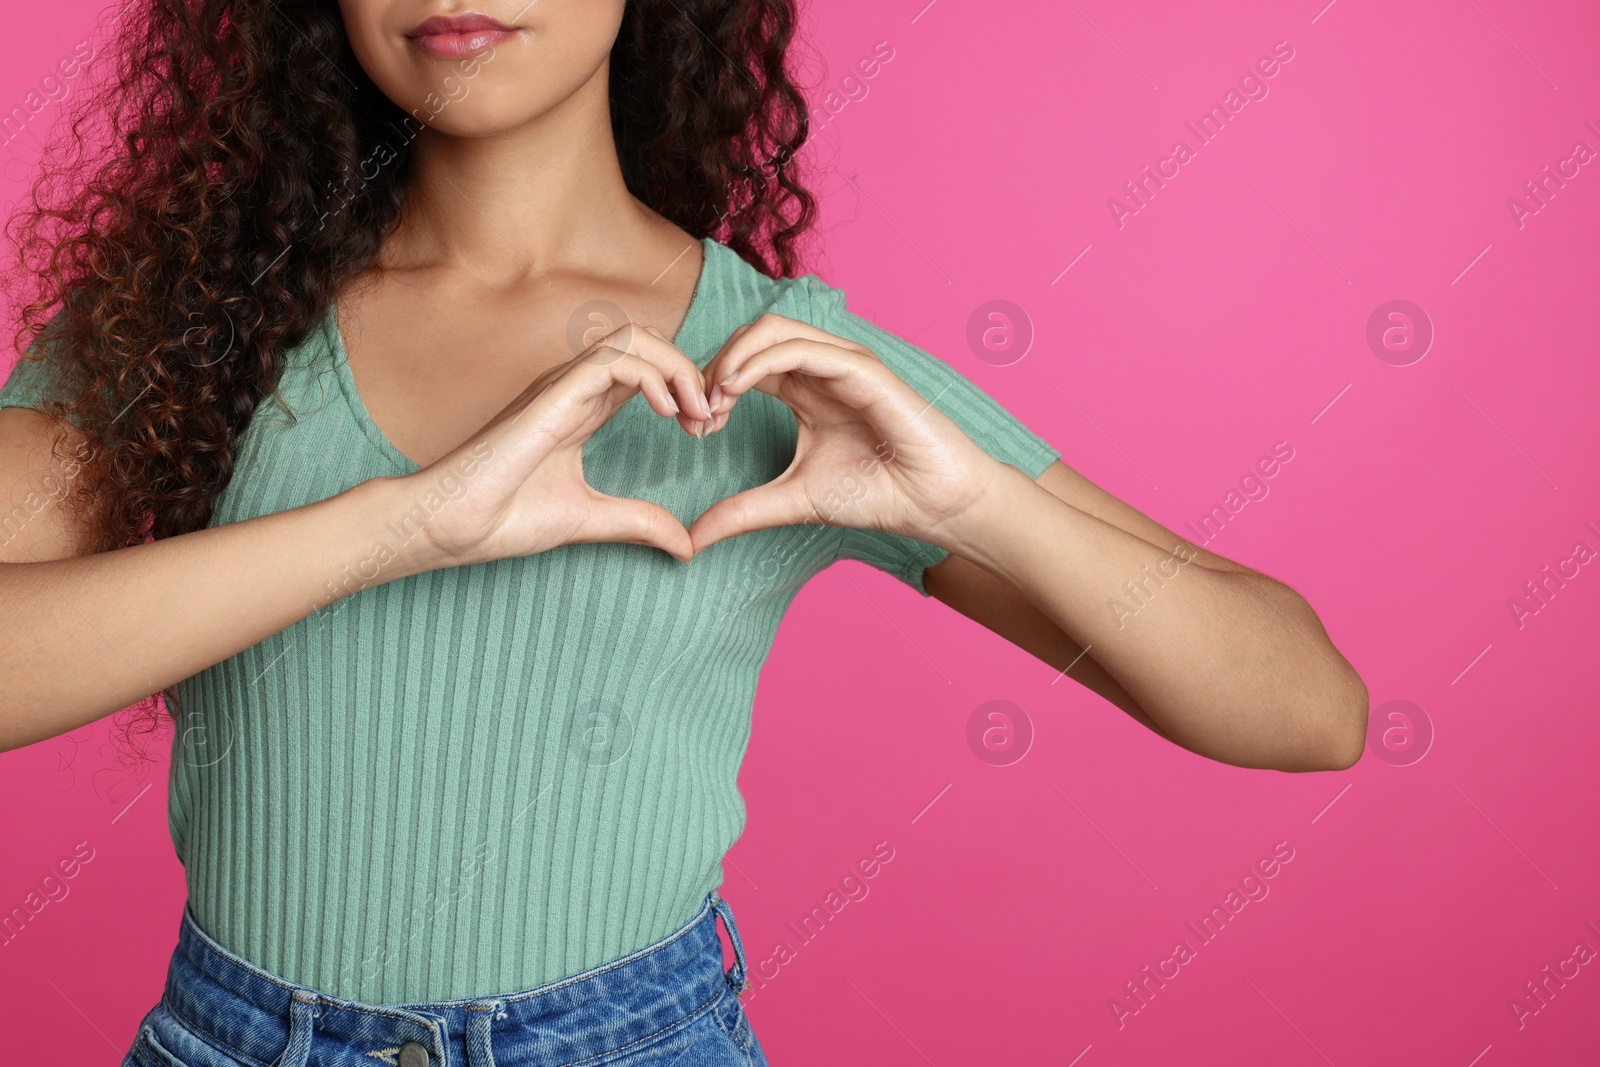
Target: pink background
[(1227, 314)]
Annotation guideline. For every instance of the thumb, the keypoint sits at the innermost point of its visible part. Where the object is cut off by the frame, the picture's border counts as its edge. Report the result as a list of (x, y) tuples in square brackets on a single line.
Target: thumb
[(639, 522), (777, 503)]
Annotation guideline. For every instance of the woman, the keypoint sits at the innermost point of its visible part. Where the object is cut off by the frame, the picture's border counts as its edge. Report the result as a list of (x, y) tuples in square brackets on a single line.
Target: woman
[(462, 686)]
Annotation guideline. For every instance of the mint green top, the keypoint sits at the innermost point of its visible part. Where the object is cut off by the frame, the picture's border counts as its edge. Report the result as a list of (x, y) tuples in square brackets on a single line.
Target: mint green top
[(481, 779)]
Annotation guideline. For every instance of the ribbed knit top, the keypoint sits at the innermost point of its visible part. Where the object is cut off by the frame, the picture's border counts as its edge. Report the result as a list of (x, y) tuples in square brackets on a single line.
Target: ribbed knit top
[(480, 779)]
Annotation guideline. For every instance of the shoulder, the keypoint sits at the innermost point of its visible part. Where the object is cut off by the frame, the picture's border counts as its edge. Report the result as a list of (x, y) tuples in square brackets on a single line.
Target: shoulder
[(805, 298), (740, 288), (45, 372), (741, 293), (936, 379)]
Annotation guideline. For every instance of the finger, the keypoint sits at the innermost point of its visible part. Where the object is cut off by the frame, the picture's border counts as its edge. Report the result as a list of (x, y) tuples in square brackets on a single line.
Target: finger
[(852, 377), (689, 387), (651, 345), (633, 371), (557, 409), (768, 330), (696, 428), (636, 374), (658, 392), (688, 381), (562, 410), (781, 502), (684, 378), (639, 522)]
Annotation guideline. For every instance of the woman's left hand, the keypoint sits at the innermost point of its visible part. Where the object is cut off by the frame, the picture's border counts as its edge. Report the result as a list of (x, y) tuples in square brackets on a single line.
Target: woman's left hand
[(871, 452)]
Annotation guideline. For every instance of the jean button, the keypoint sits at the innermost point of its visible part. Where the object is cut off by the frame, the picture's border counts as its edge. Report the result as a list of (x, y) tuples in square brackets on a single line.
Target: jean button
[(413, 1054)]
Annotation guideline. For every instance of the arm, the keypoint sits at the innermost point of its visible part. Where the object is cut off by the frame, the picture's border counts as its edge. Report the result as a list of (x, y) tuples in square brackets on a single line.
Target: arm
[(85, 633), (1218, 658)]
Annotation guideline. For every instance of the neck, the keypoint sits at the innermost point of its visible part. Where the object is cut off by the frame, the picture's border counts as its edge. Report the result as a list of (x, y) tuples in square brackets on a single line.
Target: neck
[(545, 196)]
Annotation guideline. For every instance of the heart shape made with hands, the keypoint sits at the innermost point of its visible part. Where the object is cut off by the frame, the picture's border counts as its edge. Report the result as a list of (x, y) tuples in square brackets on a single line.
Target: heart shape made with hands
[(870, 452)]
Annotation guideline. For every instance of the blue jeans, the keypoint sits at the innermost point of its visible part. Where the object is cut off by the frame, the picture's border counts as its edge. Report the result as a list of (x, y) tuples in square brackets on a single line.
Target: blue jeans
[(668, 1004)]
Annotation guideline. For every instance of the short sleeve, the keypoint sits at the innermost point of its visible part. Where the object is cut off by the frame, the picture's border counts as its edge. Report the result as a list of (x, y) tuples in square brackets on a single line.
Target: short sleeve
[(980, 416), (36, 379)]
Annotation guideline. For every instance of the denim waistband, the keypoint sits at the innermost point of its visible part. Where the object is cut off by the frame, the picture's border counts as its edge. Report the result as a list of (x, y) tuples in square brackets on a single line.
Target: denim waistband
[(263, 1018)]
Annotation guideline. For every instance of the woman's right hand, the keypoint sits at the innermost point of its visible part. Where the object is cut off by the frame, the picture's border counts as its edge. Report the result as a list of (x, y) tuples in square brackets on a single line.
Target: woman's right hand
[(159, 612), (523, 471)]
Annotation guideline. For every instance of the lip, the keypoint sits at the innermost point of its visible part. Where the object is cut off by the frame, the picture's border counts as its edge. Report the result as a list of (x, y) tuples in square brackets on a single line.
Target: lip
[(459, 35)]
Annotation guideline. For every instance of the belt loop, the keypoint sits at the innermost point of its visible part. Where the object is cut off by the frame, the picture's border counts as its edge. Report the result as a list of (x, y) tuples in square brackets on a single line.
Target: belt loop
[(302, 1021), (481, 1017), (736, 975)]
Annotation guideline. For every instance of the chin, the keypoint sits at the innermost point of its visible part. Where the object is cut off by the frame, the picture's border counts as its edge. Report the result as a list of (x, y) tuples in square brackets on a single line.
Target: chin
[(466, 108)]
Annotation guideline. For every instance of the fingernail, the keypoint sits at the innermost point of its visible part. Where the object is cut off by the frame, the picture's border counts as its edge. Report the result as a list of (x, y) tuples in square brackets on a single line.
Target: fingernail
[(673, 403), (716, 396), (699, 429), (729, 379)]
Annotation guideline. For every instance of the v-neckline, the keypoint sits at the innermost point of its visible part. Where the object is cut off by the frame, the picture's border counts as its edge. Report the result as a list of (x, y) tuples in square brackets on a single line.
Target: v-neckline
[(380, 440)]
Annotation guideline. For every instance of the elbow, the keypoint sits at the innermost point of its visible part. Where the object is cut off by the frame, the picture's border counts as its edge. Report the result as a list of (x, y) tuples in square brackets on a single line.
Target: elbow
[(11, 734), (1330, 735), (1343, 737), (1344, 755)]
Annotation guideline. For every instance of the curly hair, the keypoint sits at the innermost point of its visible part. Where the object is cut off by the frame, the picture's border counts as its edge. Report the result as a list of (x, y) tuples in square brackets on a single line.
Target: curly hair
[(237, 167)]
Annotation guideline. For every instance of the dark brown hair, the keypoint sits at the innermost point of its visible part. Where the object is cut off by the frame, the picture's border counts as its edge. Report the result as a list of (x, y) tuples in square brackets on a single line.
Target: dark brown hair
[(217, 187)]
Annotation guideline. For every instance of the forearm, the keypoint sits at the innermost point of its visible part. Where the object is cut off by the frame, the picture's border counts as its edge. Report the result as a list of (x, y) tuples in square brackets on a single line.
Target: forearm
[(1231, 664), (84, 636)]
